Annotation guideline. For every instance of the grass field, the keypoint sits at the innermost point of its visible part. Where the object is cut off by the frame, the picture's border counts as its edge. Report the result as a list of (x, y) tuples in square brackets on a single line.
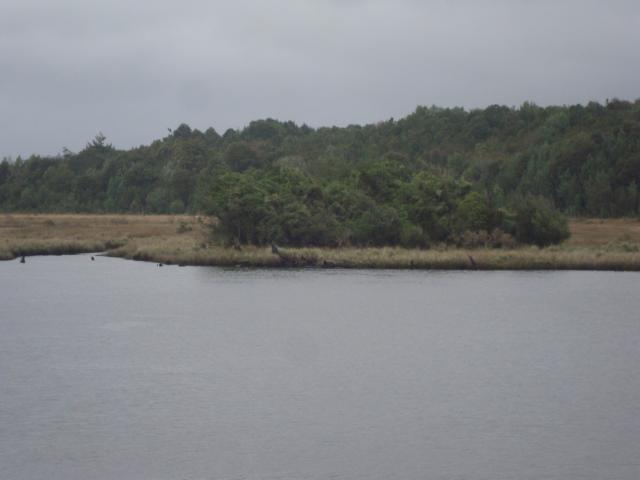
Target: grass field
[(26, 234), (602, 232), (595, 244)]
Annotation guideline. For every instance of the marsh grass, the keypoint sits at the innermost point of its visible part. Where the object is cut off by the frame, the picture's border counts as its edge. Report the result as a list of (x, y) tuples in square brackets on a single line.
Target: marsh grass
[(179, 251), (45, 234), (55, 246), (595, 232), (186, 240), (460, 259)]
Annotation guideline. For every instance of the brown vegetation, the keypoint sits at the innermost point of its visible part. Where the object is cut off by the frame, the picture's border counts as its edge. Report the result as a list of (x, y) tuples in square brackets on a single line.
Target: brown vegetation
[(45, 234), (595, 232), (594, 245)]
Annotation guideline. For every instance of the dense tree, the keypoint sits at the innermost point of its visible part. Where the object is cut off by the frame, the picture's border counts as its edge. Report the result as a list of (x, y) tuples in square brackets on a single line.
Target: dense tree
[(431, 175)]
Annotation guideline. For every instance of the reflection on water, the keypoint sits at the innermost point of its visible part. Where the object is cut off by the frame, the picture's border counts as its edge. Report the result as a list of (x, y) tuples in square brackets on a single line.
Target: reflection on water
[(117, 369)]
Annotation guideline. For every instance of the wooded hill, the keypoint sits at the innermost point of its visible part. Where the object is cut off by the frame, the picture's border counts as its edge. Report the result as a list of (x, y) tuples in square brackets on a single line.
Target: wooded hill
[(584, 160)]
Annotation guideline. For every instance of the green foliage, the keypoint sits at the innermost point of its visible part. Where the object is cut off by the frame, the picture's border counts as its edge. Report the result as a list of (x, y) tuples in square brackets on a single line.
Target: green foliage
[(377, 226), (240, 204), (176, 206), (183, 131), (473, 213), (382, 179), (423, 179), (412, 236), (537, 222), (240, 156), (429, 202), (287, 207)]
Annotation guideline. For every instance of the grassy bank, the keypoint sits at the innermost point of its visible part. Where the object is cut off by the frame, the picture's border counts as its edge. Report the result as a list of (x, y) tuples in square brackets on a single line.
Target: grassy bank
[(594, 245), (390, 258), (26, 234)]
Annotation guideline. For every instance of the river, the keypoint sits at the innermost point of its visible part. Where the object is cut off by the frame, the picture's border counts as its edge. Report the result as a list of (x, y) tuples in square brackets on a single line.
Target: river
[(112, 369)]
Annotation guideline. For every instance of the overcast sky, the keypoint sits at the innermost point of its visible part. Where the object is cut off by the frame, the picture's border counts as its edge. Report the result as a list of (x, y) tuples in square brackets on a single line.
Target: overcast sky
[(131, 69)]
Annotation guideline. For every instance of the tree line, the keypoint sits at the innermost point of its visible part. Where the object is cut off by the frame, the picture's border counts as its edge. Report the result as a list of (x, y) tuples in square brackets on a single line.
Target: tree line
[(435, 175)]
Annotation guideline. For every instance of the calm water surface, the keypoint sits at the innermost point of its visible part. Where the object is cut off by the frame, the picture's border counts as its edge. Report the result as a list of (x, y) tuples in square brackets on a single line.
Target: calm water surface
[(122, 370)]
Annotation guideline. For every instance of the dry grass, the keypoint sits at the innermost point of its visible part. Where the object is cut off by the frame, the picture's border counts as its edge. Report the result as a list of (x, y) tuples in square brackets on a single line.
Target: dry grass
[(461, 259), (46, 234), (595, 245), (184, 251), (600, 232)]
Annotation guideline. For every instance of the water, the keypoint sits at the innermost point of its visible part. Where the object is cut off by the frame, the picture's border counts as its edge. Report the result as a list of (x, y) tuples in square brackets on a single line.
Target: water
[(122, 370)]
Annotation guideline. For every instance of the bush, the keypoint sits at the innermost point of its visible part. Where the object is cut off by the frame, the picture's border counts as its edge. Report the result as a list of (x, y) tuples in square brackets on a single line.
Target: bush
[(287, 207), (412, 236), (473, 213), (377, 227), (472, 239), (177, 206), (537, 222), (500, 239), (483, 239)]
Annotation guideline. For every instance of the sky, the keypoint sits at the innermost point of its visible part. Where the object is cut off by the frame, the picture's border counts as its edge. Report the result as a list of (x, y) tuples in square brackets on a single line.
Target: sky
[(131, 68)]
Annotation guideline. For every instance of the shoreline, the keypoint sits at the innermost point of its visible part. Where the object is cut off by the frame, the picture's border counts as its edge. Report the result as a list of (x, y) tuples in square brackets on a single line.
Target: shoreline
[(598, 245), (389, 258), (384, 258)]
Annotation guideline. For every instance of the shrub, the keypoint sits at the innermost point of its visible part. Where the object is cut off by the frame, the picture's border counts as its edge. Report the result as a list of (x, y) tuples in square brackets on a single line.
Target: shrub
[(379, 226), (412, 236), (473, 213), (537, 222), (473, 239), (500, 239), (177, 206)]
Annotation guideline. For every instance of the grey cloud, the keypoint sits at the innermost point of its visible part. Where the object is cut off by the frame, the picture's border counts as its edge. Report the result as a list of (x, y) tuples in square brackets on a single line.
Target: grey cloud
[(71, 68)]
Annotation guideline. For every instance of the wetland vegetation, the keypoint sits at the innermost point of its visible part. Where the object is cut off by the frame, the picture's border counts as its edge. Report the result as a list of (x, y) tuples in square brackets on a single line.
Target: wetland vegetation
[(440, 188), (595, 244)]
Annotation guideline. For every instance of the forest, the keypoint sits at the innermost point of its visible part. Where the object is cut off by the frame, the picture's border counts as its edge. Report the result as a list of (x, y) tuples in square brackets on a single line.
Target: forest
[(440, 175)]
